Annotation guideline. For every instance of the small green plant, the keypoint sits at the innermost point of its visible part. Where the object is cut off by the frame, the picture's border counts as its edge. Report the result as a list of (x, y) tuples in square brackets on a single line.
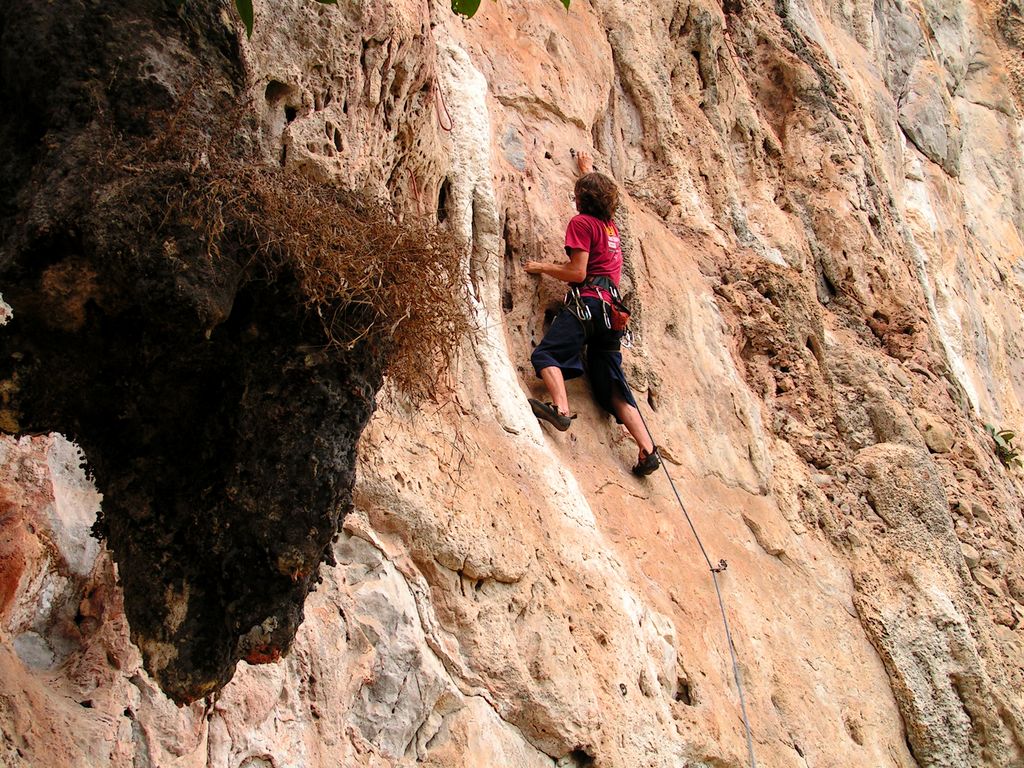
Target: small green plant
[(462, 7), (468, 7), (245, 11), (1003, 438)]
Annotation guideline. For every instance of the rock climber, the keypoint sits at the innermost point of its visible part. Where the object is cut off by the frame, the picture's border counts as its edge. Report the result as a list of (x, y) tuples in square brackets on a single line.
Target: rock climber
[(595, 266)]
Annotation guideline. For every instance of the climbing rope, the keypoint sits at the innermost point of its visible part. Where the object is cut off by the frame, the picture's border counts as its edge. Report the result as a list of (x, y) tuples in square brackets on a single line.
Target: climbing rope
[(440, 105), (715, 570), (416, 192)]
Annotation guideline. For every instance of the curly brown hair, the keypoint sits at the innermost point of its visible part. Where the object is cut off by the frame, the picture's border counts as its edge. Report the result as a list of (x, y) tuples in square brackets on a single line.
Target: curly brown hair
[(597, 196)]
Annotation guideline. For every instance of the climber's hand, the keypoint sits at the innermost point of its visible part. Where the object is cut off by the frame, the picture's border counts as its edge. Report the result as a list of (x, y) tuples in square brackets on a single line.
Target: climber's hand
[(534, 267)]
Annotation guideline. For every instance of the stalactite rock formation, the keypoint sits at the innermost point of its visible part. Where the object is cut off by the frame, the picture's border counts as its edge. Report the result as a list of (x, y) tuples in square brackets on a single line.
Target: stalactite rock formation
[(822, 222)]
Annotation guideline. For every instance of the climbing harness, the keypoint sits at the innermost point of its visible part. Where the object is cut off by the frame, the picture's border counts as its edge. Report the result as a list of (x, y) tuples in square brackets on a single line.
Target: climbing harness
[(614, 312), (715, 570), (574, 303)]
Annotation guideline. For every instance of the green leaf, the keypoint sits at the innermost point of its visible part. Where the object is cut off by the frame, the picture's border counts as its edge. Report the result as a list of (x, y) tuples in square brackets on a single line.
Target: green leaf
[(1007, 435), (327, 2), (566, 4), (465, 7), (245, 11)]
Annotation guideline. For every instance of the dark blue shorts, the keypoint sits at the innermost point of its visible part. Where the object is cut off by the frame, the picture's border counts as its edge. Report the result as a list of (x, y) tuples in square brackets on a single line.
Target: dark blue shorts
[(563, 346)]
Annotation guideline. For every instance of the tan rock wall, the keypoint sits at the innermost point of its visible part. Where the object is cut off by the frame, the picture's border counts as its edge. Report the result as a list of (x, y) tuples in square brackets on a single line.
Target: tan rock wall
[(822, 229)]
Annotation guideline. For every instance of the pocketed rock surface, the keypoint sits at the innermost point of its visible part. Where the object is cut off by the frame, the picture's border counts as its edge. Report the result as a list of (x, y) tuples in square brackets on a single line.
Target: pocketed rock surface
[(822, 222)]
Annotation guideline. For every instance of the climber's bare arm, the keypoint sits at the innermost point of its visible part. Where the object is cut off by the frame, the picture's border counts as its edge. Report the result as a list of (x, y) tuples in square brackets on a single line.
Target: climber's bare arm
[(573, 272)]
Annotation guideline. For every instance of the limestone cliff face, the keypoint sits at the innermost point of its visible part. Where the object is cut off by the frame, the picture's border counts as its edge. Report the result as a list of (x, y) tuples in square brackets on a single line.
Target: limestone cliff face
[(822, 226)]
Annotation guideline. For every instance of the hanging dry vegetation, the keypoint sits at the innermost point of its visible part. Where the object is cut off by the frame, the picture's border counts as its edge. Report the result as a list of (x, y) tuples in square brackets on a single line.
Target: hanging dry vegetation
[(368, 275)]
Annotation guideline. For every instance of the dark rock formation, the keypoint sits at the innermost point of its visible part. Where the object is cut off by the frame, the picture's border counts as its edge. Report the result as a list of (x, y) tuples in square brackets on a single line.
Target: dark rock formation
[(219, 431)]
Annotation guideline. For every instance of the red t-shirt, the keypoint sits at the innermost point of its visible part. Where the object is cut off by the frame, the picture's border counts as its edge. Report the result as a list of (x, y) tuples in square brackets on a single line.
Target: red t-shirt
[(600, 239)]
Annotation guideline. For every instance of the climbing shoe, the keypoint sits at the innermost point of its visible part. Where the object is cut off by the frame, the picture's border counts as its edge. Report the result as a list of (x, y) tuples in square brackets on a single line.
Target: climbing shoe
[(549, 412), (647, 464)]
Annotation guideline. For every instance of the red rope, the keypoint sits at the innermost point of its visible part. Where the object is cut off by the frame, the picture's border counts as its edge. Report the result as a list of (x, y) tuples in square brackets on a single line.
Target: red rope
[(416, 192), (439, 104)]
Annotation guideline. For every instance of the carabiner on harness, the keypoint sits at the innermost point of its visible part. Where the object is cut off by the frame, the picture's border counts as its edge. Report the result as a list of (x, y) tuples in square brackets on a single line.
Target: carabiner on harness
[(574, 303)]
